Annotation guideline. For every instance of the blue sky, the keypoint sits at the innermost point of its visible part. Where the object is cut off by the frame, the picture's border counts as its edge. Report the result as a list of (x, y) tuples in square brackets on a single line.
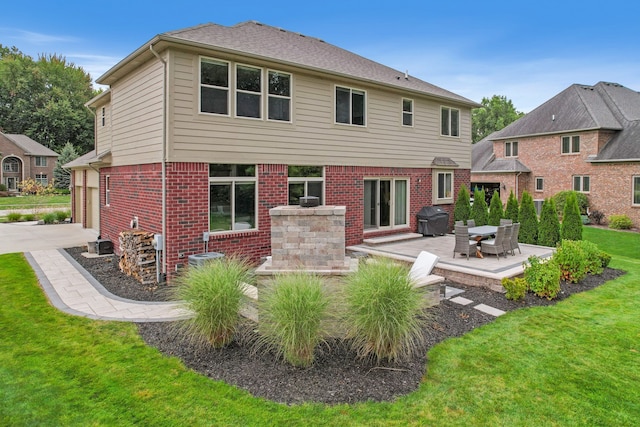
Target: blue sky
[(527, 51)]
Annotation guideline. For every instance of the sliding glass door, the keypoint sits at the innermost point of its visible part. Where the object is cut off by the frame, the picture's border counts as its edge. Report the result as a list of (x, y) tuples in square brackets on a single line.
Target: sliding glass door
[(385, 203)]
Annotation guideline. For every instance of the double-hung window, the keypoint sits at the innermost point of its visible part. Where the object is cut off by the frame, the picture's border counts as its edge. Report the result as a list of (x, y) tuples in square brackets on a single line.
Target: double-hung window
[(571, 144), (279, 103), (444, 187), (450, 121), (248, 91), (511, 149), (214, 86), (350, 106), (539, 183), (581, 183), (232, 197), (107, 190), (305, 181), (407, 112), (636, 190), (41, 161)]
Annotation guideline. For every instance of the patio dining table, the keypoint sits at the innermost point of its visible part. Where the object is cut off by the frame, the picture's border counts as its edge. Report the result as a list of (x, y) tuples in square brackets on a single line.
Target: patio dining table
[(480, 232)]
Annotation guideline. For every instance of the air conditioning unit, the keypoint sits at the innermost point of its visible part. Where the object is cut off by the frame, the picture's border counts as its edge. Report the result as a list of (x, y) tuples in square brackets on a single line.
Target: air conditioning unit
[(104, 247), (198, 260)]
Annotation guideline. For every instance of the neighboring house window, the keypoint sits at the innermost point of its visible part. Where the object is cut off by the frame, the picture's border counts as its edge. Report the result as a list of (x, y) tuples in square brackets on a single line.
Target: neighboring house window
[(103, 118), (305, 181), (350, 106), (107, 190), (511, 149), (636, 190), (41, 161), (407, 112), (570, 144), (539, 183), (581, 183), (232, 197), (450, 119), (386, 203), (248, 92), (279, 102), (214, 86), (42, 179), (444, 187), (11, 165)]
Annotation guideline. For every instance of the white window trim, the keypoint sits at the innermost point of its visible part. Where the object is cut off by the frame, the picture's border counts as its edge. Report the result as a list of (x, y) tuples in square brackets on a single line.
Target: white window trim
[(306, 181), (541, 179), (107, 190), (366, 106), (229, 88), (570, 152), (39, 178), (232, 180), (40, 159), (236, 91), (442, 107), (444, 200), (392, 211), (103, 116), (633, 190), (511, 145), (268, 95), (407, 112), (582, 177)]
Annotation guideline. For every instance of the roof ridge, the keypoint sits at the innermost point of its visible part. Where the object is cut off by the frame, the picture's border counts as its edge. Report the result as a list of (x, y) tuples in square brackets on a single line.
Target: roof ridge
[(585, 103), (608, 99)]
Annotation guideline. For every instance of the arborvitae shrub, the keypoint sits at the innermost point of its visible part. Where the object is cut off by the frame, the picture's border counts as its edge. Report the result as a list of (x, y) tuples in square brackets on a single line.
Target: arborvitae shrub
[(560, 200), (495, 209), (549, 227), (479, 211), (528, 220), (511, 211), (571, 222), (462, 209)]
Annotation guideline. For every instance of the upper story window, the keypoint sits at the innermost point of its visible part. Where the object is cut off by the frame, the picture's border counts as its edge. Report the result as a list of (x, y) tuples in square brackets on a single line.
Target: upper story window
[(305, 181), (450, 121), (636, 190), (41, 161), (279, 104), (581, 183), (407, 112), (103, 116), (350, 106), (570, 144), (214, 86), (511, 149), (232, 197), (11, 164), (248, 92)]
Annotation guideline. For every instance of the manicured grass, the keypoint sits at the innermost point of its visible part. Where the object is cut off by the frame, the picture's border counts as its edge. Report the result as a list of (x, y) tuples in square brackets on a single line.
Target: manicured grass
[(31, 202), (575, 363)]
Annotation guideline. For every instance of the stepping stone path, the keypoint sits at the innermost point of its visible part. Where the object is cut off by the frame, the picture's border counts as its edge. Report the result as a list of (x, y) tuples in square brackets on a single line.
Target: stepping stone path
[(464, 301)]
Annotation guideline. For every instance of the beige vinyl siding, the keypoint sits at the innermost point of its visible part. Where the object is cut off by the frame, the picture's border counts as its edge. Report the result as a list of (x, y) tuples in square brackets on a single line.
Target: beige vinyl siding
[(313, 137), (136, 109), (103, 133)]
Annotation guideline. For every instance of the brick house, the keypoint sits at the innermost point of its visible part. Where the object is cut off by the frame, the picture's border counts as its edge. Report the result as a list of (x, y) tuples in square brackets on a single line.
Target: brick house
[(586, 138), (207, 128), (21, 158)]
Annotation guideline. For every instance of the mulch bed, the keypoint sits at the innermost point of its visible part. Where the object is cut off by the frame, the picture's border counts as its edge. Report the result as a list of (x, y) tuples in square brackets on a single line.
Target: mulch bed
[(336, 376)]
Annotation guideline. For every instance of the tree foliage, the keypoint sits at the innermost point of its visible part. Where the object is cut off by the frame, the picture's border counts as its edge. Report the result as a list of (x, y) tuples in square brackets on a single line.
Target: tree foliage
[(62, 176), (549, 229), (571, 222), (528, 220), (511, 211), (44, 99), (479, 210), (496, 113), (495, 209), (462, 209), (560, 200)]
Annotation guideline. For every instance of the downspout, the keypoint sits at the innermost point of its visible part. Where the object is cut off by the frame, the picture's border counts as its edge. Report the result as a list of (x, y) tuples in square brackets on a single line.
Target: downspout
[(517, 181), (164, 158)]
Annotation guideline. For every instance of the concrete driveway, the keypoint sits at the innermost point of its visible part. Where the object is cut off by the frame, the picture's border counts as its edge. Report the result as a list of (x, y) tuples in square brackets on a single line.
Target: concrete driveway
[(29, 236)]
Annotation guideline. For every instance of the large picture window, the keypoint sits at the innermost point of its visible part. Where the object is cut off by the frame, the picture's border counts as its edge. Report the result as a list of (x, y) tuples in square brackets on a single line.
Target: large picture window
[(450, 121), (232, 197), (305, 181), (350, 106), (386, 203), (248, 92), (214, 86), (279, 105)]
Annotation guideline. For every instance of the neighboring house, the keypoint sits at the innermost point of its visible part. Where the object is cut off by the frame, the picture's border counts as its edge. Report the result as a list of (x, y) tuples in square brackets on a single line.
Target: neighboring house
[(207, 128), (586, 138), (22, 158)]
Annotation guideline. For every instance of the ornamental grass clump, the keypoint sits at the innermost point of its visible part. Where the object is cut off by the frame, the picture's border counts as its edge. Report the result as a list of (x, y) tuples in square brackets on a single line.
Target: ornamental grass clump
[(293, 314), (214, 293), (384, 313)]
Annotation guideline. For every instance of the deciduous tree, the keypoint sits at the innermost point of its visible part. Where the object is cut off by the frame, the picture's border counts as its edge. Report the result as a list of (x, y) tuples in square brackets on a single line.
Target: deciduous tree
[(496, 113)]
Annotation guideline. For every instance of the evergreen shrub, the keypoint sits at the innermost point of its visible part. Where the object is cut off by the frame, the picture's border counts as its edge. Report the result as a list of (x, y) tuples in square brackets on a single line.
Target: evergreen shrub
[(479, 210), (549, 226), (462, 209), (571, 228), (495, 209), (511, 210), (528, 220)]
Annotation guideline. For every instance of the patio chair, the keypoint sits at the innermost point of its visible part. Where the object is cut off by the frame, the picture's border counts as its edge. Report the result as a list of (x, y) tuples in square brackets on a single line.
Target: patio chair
[(471, 223), (506, 239), (494, 246), (464, 245), (504, 221), (459, 222), (514, 239)]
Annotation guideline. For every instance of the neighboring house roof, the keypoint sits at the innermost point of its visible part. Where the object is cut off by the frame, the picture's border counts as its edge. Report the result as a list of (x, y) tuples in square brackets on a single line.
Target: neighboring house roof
[(270, 43), (29, 146), (86, 160), (604, 106)]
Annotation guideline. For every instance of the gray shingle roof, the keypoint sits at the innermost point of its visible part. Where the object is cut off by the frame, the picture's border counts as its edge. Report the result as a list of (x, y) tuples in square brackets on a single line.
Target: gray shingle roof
[(29, 146), (86, 159), (271, 43)]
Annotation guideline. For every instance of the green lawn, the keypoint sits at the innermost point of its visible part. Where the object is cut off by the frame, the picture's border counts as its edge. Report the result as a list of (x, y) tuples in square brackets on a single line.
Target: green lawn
[(575, 363), (31, 202)]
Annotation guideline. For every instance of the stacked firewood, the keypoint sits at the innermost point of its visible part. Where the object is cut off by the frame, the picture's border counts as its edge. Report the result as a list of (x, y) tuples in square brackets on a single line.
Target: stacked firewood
[(138, 256)]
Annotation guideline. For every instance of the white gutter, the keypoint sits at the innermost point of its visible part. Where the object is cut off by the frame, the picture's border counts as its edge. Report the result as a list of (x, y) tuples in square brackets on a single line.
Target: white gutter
[(164, 157)]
